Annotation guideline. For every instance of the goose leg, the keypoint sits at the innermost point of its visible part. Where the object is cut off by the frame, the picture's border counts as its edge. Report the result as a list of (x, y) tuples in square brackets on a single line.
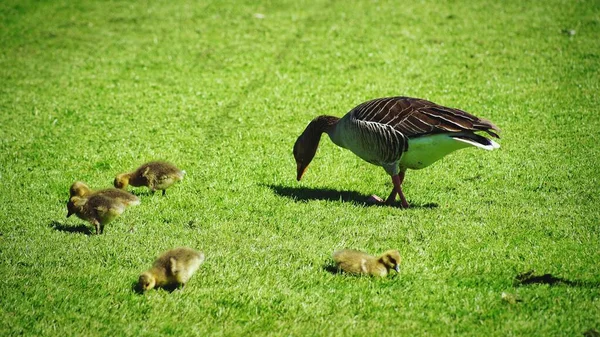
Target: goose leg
[(392, 198), (396, 190), (397, 181)]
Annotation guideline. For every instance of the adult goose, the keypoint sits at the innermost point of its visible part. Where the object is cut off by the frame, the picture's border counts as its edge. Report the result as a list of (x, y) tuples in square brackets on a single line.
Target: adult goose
[(396, 133)]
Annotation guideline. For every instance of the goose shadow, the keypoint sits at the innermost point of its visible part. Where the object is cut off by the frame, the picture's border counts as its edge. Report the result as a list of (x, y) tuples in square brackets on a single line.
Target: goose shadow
[(82, 229), (304, 194)]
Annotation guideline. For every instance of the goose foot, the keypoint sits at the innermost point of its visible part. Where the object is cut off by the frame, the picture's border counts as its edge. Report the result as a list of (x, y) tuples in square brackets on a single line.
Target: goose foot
[(375, 200)]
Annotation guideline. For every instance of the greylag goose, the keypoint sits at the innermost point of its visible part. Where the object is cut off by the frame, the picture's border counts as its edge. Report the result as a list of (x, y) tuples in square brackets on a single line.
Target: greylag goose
[(356, 262), (81, 189), (97, 208), (396, 133), (157, 175), (171, 269)]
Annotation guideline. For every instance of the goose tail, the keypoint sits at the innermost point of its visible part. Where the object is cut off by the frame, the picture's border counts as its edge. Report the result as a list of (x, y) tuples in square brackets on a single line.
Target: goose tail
[(477, 141)]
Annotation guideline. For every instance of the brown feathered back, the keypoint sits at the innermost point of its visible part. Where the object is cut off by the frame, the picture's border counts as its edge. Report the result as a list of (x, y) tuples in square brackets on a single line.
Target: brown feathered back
[(414, 117)]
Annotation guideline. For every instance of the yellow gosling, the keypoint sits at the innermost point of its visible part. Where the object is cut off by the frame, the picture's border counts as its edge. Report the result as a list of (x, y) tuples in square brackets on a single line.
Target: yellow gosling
[(172, 269), (357, 262), (156, 175)]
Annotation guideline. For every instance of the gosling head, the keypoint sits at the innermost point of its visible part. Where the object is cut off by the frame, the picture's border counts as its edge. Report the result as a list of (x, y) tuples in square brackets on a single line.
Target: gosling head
[(391, 259), (79, 189), (74, 205), (121, 181), (146, 281)]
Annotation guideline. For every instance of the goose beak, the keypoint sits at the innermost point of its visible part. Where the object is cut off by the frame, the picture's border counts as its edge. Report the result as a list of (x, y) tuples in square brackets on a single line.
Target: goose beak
[(397, 268), (300, 170)]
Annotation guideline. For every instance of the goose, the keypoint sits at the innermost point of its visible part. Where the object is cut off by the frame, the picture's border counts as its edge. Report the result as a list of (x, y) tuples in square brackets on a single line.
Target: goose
[(98, 209), (81, 189), (396, 133), (173, 268), (157, 175), (357, 262)]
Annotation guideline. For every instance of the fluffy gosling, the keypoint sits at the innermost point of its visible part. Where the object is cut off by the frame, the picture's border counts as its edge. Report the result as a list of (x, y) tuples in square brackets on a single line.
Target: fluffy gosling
[(356, 262), (172, 269), (81, 189), (98, 209), (157, 175)]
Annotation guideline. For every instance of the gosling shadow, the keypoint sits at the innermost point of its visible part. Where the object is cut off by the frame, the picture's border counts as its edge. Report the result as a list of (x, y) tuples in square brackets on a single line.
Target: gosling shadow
[(136, 287), (82, 229), (332, 269), (141, 192), (304, 194)]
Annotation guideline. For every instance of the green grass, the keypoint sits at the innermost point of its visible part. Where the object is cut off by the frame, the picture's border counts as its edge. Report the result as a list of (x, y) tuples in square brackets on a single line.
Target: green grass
[(93, 89)]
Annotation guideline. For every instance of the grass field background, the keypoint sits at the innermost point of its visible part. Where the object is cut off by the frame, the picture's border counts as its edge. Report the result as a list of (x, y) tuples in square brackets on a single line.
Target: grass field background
[(223, 88)]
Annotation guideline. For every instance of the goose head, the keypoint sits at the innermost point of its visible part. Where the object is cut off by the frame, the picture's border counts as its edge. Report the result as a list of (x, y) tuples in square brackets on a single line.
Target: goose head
[(305, 149), (306, 145)]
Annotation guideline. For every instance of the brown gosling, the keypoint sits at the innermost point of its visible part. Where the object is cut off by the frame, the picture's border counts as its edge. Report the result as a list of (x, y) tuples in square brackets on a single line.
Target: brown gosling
[(81, 189), (172, 269), (157, 175), (356, 262), (98, 209)]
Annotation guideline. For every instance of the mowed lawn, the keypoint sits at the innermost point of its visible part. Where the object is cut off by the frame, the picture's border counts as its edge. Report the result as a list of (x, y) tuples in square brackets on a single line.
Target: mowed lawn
[(90, 89)]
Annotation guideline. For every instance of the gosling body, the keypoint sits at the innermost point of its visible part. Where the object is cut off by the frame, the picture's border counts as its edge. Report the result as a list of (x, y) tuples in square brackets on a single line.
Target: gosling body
[(156, 175), (98, 209), (360, 263), (172, 269)]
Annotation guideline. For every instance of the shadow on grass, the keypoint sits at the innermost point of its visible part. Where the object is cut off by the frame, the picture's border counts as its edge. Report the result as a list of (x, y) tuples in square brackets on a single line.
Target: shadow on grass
[(529, 277), (83, 229), (306, 194), (332, 269), (141, 192), (137, 288)]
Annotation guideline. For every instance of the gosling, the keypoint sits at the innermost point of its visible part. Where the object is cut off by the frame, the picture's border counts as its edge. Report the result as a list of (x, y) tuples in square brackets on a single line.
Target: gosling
[(81, 189), (157, 175), (172, 269), (356, 262), (98, 209)]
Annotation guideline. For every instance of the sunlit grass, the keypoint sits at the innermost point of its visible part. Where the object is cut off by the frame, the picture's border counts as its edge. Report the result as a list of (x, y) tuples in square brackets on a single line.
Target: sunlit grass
[(92, 89)]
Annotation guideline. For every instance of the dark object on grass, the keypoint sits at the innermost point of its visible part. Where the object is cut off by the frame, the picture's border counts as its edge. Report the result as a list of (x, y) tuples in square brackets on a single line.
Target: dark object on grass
[(396, 133), (529, 277)]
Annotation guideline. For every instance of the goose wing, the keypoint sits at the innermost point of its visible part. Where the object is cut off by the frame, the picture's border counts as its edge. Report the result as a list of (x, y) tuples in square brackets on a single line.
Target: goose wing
[(416, 117)]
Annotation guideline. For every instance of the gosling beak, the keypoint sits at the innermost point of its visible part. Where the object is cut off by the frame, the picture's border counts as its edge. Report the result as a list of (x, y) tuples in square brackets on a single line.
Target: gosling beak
[(300, 170), (397, 268), (69, 214)]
